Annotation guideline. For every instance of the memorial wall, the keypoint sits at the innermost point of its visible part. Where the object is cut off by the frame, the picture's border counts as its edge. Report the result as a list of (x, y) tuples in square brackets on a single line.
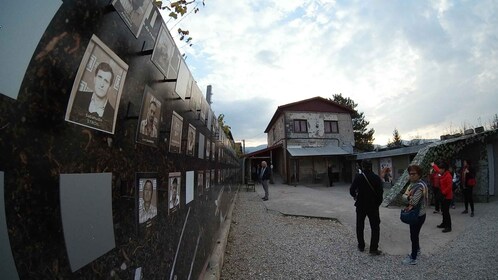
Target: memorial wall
[(112, 163)]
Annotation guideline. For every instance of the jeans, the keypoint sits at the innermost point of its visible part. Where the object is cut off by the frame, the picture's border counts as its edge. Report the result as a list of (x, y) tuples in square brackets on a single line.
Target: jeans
[(374, 219), (414, 235)]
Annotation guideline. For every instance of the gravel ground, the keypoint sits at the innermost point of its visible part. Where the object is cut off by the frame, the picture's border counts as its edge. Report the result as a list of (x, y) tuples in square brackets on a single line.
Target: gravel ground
[(268, 245)]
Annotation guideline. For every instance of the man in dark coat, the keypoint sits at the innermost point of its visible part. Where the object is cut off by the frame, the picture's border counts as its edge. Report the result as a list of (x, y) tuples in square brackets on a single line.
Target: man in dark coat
[(368, 193), (264, 176)]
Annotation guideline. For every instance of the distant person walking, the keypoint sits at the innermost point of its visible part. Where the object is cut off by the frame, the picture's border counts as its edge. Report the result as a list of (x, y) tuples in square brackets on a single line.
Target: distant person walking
[(468, 181), (416, 195), (446, 184), (367, 190), (330, 175), (264, 177)]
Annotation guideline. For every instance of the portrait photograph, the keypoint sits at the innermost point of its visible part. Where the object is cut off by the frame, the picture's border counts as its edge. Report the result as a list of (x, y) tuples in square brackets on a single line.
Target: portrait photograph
[(174, 186), (133, 13), (191, 140), (195, 98), (165, 55), (97, 88), (200, 182), (175, 141), (149, 119), (208, 179), (147, 198)]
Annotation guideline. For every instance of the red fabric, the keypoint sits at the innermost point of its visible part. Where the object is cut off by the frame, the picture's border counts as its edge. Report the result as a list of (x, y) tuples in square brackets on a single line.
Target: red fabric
[(435, 180), (445, 183)]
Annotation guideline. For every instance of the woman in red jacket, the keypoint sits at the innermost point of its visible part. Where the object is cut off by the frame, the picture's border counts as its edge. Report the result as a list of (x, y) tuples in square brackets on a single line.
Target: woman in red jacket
[(446, 185)]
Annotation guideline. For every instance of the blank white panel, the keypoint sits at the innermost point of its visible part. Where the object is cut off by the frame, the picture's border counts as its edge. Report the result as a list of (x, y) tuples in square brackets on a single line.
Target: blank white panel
[(189, 181), (86, 210)]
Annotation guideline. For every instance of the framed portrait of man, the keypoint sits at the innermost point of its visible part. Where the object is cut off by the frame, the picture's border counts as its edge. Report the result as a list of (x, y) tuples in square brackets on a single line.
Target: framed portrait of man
[(174, 186), (166, 56), (191, 140), (149, 119), (97, 88), (133, 13), (147, 198), (175, 138)]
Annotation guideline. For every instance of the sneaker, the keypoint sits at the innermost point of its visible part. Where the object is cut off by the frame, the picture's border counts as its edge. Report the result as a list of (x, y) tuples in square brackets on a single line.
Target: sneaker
[(409, 261), (465, 212), (435, 212), (440, 226), (447, 230), (472, 214)]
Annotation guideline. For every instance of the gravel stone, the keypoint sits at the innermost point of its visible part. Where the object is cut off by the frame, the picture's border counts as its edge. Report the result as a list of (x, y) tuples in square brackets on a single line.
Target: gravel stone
[(268, 245)]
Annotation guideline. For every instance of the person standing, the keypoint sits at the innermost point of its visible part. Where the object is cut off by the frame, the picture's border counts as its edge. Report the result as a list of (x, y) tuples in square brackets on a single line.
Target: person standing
[(436, 190), (446, 185), (367, 190), (467, 179), (264, 177), (331, 175), (416, 195)]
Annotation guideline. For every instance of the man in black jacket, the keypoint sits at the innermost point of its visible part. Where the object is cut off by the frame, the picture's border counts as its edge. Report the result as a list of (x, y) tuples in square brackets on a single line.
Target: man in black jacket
[(264, 176), (368, 193)]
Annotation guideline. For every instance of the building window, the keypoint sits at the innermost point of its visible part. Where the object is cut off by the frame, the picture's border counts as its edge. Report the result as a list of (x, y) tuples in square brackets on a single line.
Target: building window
[(300, 126), (331, 127)]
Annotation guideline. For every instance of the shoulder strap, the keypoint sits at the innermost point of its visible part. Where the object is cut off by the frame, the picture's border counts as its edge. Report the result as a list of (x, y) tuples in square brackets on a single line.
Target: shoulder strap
[(369, 183)]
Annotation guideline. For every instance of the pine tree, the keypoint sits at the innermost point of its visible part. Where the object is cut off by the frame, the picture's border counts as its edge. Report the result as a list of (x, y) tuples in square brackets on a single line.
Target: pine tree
[(396, 140), (363, 138)]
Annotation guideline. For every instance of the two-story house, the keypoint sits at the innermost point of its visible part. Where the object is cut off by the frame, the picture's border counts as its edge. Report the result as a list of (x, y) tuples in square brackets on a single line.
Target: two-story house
[(308, 136)]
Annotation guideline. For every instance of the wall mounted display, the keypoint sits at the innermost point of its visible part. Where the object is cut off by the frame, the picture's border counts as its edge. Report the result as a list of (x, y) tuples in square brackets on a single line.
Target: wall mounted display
[(149, 121), (189, 186), (174, 186), (133, 13), (147, 197), (213, 147), (200, 151), (191, 140), (195, 98), (200, 182), (86, 210), (208, 179), (208, 149), (175, 138), (97, 88), (16, 49), (183, 81), (7, 265), (204, 111), (166, 56), (386, 167)]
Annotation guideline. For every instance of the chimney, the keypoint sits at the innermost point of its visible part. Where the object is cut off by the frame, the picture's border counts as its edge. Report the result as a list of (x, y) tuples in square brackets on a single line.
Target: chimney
[(209, 94)]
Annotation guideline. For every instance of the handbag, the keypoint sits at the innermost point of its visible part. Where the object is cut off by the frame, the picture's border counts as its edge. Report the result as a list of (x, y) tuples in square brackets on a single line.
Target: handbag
[(471, 182), (410, 216)]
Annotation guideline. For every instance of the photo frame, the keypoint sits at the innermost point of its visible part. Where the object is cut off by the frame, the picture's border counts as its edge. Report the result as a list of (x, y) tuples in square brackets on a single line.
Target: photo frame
[(200, 182), (175, 138), (149, 119), (97, 88), (174, 187), (191, 140), (146, 198), (133, 13), (166, 56)]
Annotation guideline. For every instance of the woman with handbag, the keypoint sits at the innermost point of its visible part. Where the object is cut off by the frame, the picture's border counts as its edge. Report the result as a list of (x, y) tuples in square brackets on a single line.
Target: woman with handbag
[(468, 181), (417, 197)]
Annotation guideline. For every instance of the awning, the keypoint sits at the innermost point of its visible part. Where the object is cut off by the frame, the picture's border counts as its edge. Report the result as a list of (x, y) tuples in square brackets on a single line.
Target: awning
[(317, 151)]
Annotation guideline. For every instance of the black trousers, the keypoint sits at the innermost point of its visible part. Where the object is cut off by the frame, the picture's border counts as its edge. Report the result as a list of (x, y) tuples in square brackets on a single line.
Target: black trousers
[(438, 198), (468, 199), (445, 207), (374, 219), (414, 235)]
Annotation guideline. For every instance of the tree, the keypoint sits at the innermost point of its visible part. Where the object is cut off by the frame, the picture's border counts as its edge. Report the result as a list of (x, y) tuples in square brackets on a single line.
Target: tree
[(180, 8), (226, 128), (396, 140), (363, 138)]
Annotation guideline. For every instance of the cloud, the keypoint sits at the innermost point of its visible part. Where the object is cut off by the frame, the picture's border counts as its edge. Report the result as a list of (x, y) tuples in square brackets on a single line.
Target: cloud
[(423, 67)]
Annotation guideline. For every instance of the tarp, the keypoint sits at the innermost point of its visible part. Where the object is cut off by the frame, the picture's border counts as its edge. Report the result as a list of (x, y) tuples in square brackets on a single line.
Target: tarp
[(317, 151)]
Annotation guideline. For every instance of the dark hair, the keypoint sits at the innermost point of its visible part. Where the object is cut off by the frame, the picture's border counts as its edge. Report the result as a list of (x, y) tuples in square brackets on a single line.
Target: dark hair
[(366, 164), (443, 165), (415, 168), (105, 67)]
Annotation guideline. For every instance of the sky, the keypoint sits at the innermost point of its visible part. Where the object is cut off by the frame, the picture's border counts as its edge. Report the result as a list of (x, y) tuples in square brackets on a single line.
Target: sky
[(425, 68)]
